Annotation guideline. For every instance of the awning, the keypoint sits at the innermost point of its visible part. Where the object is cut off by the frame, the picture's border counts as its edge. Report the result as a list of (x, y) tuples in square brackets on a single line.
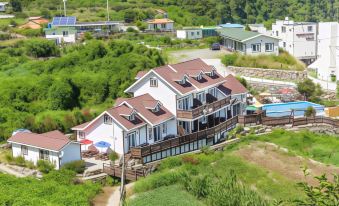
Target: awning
[(86, 142)]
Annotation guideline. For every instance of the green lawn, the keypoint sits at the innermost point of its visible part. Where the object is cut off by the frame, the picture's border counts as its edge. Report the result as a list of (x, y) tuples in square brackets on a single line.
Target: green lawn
[(173, 195), (323, 148)]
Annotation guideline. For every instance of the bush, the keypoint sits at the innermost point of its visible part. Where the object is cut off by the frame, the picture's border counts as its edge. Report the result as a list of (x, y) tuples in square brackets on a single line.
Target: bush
[(45, 166), (113, 156), (310, 112), (76, 166), (41, 48), (230, 59), (20, 161)]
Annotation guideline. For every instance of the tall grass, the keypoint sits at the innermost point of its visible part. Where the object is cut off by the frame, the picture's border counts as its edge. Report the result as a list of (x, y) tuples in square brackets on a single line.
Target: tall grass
[(321, 147), (283, 61)]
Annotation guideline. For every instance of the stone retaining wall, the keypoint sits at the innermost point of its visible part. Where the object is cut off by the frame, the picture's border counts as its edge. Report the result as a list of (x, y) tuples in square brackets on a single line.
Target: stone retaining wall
[(269, 73)]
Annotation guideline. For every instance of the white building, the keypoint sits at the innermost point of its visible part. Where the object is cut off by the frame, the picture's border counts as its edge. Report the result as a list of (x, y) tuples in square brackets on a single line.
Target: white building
[(190, 33), (160, 25), (3, 6), (53, 146), (327, 63), (171, 104), (260, 28), (298, 38), (248, 42)]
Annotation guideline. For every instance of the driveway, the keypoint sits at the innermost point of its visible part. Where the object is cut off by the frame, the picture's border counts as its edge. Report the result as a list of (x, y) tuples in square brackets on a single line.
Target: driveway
[(189, 54)]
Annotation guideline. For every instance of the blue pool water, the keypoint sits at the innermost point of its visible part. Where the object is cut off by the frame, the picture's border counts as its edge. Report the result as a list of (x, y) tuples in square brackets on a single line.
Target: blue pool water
[(284, 109)]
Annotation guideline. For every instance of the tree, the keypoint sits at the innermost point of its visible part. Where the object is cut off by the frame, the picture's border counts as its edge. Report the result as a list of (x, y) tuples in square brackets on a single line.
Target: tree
[(60, 95), (41, 48), (310, 112), (16, 5), (306, 88)]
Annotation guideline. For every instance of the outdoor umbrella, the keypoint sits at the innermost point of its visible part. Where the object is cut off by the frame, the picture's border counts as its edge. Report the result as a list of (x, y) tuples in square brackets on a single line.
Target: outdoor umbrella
[(102, 146), (85, 143)]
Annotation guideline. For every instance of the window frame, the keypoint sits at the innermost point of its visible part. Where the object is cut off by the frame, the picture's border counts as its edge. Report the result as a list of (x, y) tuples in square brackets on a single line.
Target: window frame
[(82, 135), (44, 155), (269, 44), (107, 119), (257, 46), (309, 28), (133, 136), (24, 150), (153, 82)]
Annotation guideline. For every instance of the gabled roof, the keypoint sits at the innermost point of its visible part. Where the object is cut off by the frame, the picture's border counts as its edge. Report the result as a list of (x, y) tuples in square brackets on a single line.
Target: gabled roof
[(232, 86), (238, 34), (160, 21), (118, 115), (81, 126), (174, 73), (52, 141)]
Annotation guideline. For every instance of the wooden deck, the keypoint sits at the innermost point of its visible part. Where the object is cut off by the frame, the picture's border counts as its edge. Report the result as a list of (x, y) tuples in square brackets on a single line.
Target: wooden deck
[(204, 109), (130, 174), (140, 152)]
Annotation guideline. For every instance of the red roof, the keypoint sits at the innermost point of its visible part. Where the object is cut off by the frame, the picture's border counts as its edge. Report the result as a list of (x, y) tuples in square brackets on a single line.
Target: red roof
[(140, 74), (81, 126), (54, 140), (116, 113), (232, 86), (175, 72), (160, 21)]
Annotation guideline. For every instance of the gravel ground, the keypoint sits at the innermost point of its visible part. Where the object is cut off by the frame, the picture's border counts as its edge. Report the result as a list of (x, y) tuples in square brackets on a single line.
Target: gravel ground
[(189, 54)]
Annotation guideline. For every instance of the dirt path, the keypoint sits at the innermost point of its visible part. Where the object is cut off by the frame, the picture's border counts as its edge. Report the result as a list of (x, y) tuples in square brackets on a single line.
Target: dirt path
[(273, 158), (103, 198)]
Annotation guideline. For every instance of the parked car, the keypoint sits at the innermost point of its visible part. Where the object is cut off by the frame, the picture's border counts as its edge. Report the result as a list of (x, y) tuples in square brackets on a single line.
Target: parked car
[(215, 46)]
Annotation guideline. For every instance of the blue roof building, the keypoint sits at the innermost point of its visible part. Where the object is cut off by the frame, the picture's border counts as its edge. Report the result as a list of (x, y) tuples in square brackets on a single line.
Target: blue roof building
[(229, 25)]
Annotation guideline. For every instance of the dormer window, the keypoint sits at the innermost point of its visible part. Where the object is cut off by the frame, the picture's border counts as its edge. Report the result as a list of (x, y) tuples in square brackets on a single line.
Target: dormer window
[(183, 81), (199, 77), (153, 82), (107, 119), (212, 73), (132, 117), (156, 109)]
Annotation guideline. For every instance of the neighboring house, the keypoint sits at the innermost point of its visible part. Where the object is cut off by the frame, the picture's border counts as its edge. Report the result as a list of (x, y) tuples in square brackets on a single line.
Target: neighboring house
[(3, 6), (36, 22), (189, 33), (160, 25), (67, 29), (209, 31), (260, 28), (53, 146), (327, 63), (137, 121), (231, 26), (248, 42), (298, 38)]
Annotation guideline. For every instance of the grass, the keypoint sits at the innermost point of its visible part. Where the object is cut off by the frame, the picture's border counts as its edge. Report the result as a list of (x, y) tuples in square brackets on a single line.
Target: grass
[(266, 184), (284, 61), (173, 195), (320, 147)]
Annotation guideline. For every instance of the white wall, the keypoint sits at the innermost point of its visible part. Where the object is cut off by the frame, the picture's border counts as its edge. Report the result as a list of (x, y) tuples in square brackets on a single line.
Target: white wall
[(262, 40), (163, 92), (169, 27), (189, 34), (71, 152), (181, 34), (60, 38), (33, 155)]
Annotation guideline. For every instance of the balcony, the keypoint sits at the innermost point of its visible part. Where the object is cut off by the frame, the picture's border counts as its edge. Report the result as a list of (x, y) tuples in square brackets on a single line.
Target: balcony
[(199, 110), (208, 133)]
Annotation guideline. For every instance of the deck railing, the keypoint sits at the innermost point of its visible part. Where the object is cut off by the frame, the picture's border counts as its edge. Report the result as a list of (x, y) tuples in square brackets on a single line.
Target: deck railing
[(140, 152), (204, 109)]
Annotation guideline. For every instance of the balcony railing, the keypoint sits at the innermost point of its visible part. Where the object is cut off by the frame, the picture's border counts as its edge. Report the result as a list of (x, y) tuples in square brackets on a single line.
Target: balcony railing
[(204, 109), (140, 152)]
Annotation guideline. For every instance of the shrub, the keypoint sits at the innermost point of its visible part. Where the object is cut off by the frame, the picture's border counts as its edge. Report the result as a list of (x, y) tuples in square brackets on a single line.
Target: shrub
[(170, 163), (76, 166), (230, 59), (310, 112), (113, 156), (190, 159), (20, 161), (45, 166), (41, 48)]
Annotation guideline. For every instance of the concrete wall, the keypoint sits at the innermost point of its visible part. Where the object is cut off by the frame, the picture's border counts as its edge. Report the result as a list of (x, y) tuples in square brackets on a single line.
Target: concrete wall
[(269, 73)]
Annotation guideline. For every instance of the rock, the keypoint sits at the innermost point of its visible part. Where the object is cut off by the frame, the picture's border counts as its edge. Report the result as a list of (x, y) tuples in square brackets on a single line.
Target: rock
[(268, 130), (247, 129)]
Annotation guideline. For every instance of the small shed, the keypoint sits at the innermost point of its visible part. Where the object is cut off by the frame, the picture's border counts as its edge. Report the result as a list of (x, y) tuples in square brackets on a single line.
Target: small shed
[(189, 33), (160, 25)]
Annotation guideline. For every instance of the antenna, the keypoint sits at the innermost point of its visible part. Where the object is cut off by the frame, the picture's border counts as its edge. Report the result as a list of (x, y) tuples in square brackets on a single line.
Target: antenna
[(65, 7)]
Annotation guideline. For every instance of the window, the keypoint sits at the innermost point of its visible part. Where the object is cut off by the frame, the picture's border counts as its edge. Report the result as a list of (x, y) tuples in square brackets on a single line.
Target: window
[(198, 33), (269, 47), (156, 132), (164, 128), (284, 44), (150, 133), (156, 109), (131, 140), (277, 33), (184, 103), (213, 92), (201, 97), (310, 28), (44, 155), (192, 33), (163, 26), (283, 29), (153, 82), (183, 81), (82, 135), (107, 119), (256, 47), (199, 77), (65, 33), (24, 150), (132, 117)]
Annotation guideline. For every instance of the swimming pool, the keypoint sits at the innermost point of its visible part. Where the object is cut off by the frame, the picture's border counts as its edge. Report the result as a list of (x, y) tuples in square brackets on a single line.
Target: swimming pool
[(284, 109)]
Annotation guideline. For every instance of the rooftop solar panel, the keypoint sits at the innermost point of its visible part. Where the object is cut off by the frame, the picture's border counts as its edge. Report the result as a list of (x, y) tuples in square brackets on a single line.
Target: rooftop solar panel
[(64, 21)]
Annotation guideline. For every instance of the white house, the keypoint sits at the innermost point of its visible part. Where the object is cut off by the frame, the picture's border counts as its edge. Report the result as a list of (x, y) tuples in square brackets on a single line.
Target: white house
[(327, 63), (131, 122), (260, 28), (53, 146), (248, 42), (298, 38), (189, 33), (160, 25), (170, 103), (3, 6)]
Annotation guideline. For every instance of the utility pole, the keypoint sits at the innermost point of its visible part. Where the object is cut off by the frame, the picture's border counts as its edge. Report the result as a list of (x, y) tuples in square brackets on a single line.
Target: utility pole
[(65, 7), (107, 12)]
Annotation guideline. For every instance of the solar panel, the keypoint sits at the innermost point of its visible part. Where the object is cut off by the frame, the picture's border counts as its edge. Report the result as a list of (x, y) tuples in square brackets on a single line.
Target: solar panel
[(56, 21), (64, 21)]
